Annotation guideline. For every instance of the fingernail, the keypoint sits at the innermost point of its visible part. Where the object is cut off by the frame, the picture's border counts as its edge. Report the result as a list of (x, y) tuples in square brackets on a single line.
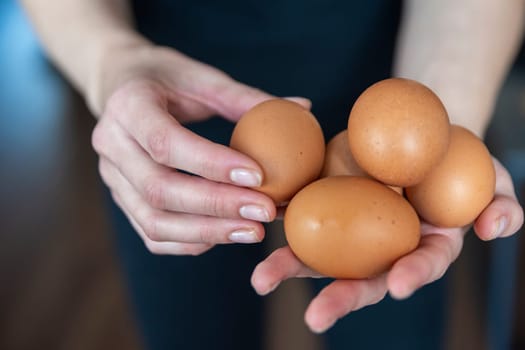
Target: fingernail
[(499, 227), (244, 236), (254, 212), (246, 177)]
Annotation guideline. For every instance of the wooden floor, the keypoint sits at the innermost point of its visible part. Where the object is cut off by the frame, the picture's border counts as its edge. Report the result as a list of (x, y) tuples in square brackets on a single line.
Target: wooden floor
[(60, 287)]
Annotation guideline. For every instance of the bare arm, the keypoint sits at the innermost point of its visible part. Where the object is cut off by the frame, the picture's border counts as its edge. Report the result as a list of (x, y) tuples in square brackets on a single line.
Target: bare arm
[(142, 94), (78, 34), (462, 50)]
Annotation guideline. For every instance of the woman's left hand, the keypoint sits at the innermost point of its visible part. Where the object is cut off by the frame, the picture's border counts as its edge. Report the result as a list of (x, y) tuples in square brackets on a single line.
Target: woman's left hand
[(438, 248)]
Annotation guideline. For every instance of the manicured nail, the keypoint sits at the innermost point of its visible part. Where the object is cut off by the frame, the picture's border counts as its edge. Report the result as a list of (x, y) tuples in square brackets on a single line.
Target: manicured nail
[(244, 236), (254, 212), (246, 177), (499, 227)]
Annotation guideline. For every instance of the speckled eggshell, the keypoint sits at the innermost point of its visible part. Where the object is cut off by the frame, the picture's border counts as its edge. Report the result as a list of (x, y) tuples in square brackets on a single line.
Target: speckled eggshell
[(286, 140), (350, 227), (460, 187), (398, 130), (339, 160)]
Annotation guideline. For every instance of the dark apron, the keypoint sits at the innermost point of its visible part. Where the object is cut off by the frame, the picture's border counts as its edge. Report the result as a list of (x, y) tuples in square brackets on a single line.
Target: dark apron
[(327, 51)]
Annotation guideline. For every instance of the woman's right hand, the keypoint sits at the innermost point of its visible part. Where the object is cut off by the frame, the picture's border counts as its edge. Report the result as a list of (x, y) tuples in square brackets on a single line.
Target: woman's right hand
[(142, 143)]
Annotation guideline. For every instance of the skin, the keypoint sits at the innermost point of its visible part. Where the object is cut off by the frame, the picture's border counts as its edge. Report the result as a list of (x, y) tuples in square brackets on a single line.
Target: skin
[(143, 143), (143, 94), (431, 49), (439, 247)]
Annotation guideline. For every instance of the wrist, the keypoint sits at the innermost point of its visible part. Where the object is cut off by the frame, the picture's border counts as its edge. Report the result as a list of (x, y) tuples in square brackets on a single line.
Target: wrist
[(112, 65)]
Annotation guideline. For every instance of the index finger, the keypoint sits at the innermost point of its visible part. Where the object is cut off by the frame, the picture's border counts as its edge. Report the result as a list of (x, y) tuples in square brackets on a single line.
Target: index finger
[(147, 120)]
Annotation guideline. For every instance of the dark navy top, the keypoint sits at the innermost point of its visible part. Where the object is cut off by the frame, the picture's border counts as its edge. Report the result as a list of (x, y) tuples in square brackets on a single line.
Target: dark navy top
[(325, 50)]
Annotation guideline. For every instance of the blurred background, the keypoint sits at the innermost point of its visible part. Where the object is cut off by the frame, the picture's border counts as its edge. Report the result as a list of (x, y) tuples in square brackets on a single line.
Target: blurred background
[(60, 284)]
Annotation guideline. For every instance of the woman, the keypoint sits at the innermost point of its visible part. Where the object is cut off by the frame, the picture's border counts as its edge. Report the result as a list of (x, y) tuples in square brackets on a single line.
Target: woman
[(140, 66)]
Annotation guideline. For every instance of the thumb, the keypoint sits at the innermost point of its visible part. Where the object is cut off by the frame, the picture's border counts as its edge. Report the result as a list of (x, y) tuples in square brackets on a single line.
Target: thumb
[(232, 99)]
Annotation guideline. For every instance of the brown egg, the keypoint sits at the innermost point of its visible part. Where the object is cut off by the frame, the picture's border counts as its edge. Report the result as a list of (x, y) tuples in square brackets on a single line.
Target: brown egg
[(338, 160), (286, 140), (460, 187), (350, 227), (398, 129)]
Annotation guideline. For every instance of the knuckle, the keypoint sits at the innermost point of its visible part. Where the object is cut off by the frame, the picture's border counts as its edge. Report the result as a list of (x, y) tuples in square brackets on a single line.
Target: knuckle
[(208, 167), (454, 253), (378, 297), (255, 92), (197, 251), (150, 226), (107, 174), (207, 234), (222, 87), (437, 272), (154, 192), (153, 247), (452, 248), (103, 170), (214, 204), (440, 268), (116, 198), (114, 108), (99, 138), (119, 101), (116, 101), (440, 275), (158, 145)]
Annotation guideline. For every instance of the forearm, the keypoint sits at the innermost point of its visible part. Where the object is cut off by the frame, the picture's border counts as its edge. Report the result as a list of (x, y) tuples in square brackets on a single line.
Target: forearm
[(78, 34), (462, 50)]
